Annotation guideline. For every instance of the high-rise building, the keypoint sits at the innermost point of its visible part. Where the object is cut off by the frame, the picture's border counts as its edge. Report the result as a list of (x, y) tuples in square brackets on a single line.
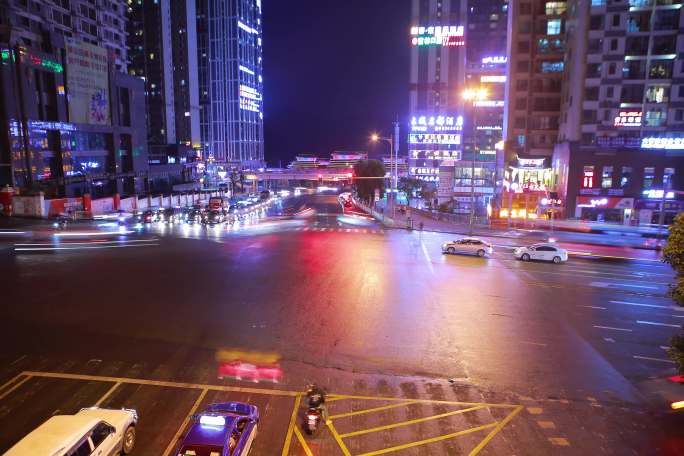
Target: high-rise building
[(535, 71), (231, 81), (70, 118), (621, 151), (437, 76), (486, 70)]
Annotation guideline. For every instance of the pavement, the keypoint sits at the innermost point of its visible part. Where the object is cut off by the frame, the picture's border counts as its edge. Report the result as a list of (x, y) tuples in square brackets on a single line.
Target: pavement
[(422, 353)]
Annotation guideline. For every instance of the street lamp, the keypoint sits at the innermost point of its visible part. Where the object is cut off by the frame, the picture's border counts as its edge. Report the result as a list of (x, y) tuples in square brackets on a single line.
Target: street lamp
[(375, 138), (473, 96)]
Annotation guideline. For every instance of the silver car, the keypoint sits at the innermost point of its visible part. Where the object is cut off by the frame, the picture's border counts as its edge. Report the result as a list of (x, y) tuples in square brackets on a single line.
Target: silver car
[(469, 245), (543, 252)]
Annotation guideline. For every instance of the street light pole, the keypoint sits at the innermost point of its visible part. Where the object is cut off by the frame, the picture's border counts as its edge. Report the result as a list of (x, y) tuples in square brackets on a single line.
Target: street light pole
[(376, 138), (472, 96)]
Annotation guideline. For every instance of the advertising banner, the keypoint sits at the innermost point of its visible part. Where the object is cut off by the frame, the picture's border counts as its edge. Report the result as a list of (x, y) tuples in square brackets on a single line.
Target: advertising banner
[(87, 83)]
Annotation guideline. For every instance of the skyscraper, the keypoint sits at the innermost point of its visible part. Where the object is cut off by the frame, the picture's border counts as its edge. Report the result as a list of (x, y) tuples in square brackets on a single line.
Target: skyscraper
[(621, 151), (231, 81), (437, 40)]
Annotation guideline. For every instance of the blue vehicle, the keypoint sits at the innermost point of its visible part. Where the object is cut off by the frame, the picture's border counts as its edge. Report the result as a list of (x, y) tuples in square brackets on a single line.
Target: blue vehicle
[(226, 429)]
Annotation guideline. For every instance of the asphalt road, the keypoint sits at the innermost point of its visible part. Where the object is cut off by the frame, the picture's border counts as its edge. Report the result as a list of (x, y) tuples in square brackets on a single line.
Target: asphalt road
[(429, 354)]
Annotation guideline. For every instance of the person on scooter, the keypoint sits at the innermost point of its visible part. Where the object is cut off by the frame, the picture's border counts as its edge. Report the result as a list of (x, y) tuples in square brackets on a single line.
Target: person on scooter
[(316, 400)]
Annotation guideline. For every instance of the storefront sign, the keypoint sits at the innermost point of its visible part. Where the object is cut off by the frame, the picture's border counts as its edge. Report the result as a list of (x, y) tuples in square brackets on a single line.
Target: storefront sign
[(662, 143), (605, 202), (628, 119)]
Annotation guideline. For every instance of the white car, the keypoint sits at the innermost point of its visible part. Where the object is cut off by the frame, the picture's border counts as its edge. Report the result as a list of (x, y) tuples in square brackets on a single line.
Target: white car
[(543, 252), (92, 431), (472, 246)]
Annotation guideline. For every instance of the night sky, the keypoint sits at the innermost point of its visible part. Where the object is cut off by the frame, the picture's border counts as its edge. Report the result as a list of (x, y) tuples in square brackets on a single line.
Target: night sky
[(334, 71)]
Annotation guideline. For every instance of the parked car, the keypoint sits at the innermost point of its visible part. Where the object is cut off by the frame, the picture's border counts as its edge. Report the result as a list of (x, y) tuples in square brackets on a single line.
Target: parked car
[(91, 431), (226, 429), (542, 252), (468, 245)]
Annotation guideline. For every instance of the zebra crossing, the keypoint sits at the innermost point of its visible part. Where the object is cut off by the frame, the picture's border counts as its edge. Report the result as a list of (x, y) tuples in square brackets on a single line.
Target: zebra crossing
[(338, 230)]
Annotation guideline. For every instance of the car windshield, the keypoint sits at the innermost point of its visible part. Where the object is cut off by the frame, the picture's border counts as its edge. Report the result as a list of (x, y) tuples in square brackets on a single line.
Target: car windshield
[(201, 450)]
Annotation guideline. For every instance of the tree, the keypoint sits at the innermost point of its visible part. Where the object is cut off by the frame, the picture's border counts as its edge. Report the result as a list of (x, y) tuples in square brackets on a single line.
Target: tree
[(673, 254), (410, 185), (369, 177)]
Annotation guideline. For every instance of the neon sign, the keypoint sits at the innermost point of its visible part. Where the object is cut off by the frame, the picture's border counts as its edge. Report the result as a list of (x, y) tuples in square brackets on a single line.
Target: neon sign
[(434, 138), (439, 35), (494, 59), (628, 119), (657, 194), (488, 103), (662, 143), (492, 78), (437, 123), (249, 98), (26, 57)]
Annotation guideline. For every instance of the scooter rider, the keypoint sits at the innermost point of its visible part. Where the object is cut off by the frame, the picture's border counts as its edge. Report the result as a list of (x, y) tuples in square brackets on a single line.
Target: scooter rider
[(316, 398)]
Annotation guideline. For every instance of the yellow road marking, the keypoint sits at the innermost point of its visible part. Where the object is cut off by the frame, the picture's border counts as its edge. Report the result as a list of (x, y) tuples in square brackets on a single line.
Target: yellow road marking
[(107, 394), (371, 410), (176, 436), (338, 439), (495, 431), (290, 428), (10, 381), (546, 424), (430, 440), (16, 385), (559, 441), (418, 401), (139, 381), (307, 450), (409, 422), (534, 410)]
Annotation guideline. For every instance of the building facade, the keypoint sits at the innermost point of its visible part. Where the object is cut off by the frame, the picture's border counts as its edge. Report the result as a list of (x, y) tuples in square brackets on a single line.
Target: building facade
[(229, 44), (71, 120), (437, 78), (621, 152)]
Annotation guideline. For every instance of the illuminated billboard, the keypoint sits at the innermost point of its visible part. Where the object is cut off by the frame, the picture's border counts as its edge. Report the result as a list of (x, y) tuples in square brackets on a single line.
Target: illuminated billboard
[(438, 35), (417, 138), (628, 119), (437, 123), (87, 83), (250, 99), (662, 143)]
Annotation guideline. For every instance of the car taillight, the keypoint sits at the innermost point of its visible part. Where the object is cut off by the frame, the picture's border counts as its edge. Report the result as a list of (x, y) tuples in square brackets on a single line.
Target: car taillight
[(312, 417), (679, 405)]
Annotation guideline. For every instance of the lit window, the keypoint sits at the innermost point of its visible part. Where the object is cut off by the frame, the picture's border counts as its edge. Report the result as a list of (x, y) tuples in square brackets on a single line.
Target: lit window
[(588, 181), (667, 178), (555, 8), (553, 27), (151, 55), (649, 177), (607, 177)]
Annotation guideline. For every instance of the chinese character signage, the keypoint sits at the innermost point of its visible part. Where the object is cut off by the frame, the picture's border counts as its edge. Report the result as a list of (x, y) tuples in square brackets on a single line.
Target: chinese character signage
[(434, 139), (440, 35), (628, 119), (87, 83), (436, 123)]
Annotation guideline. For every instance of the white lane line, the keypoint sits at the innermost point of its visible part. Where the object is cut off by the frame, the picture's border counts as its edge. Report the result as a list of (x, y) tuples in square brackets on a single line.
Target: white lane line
[(613, 285), (664, 347), (655, 323), (594, 307), (107, 394), (612, 328), (609, 339), (81, 248), (648, 358), (538, 344), (428, 260), (654, 306)]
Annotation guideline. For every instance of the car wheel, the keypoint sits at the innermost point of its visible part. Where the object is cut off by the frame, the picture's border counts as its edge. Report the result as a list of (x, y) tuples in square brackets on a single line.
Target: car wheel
[(557, 259), (451, 250), (128, 440), (480, 253), (525, 257)]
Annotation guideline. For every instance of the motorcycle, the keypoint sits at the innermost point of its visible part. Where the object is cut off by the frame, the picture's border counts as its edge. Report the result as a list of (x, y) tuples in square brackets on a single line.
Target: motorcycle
[(60, 223), (316, 414)]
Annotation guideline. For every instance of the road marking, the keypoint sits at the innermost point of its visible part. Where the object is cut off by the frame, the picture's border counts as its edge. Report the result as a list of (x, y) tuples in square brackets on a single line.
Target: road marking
[(613, 329), (307, 450), (16, 361), (371, 410), (107, 394), (594, 307), (16, 385), (427, 257), (534, 410), (546, 424), (654, 306), (614, 285), (609, 339), (664, 347), (10, 381), (655, 323), (559, 441), (338, 439), (409, 422), (139, 381), (495, 431), (431, 440), (533, 343), (337, 397), (291, 426), (648, 358), (174, 441), (42, 249)]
